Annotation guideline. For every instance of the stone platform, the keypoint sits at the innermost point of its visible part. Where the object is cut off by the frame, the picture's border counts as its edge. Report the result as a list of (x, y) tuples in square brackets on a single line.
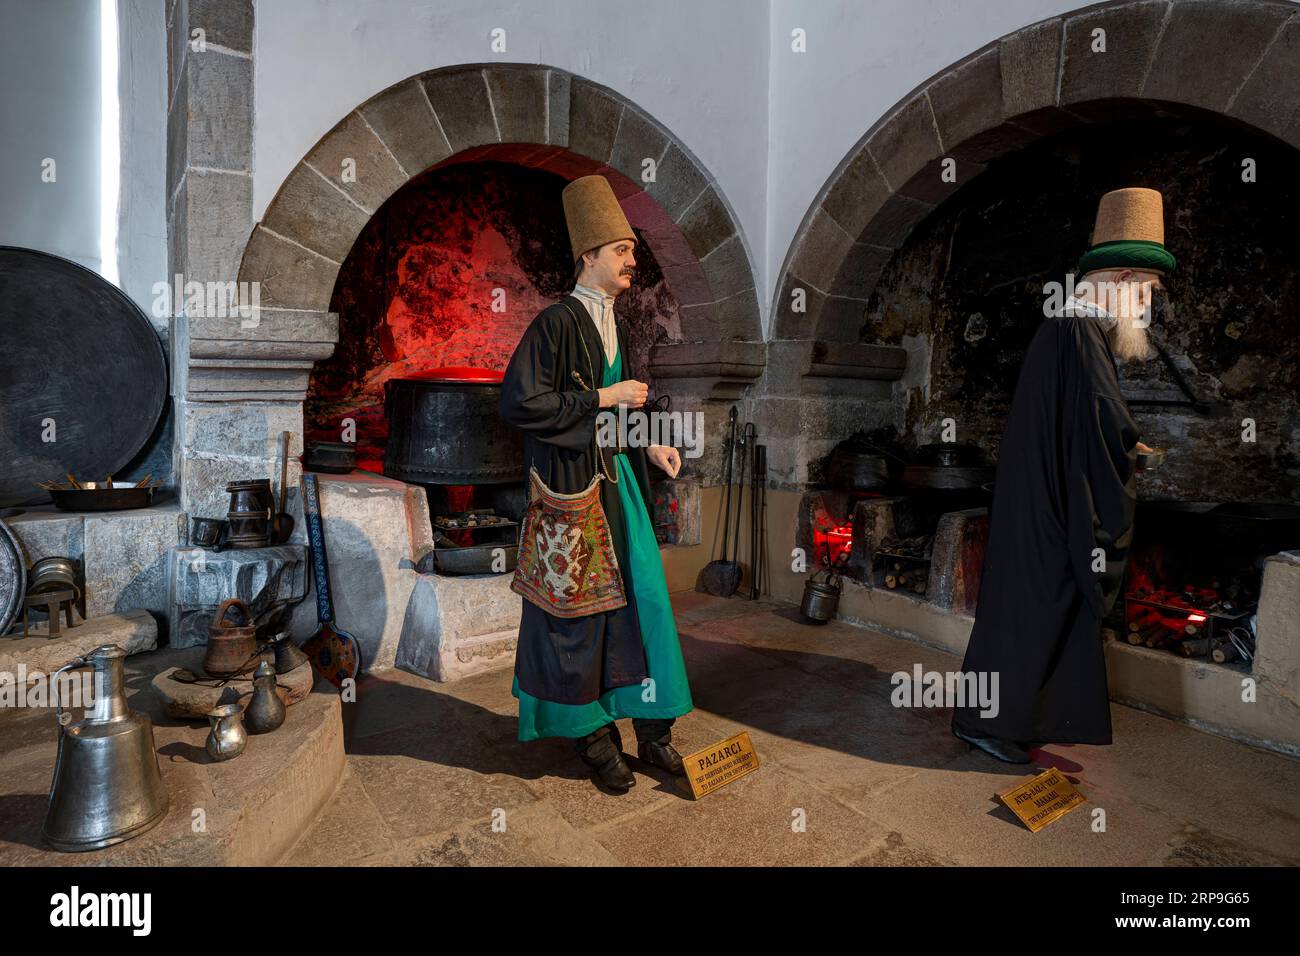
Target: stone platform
[(134, 631), (246, 811)]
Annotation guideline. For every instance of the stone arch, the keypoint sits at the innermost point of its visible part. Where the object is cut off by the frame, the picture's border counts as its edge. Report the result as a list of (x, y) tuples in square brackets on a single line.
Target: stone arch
[(536, 116), (1240, 60)]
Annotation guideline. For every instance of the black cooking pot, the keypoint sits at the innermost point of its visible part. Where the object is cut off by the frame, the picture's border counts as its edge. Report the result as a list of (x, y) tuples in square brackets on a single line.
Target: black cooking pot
[(858, 466), (444, 429)]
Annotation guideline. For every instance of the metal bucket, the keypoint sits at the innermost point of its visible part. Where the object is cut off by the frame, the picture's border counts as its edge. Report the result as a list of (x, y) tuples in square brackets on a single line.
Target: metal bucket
[(820, 598)]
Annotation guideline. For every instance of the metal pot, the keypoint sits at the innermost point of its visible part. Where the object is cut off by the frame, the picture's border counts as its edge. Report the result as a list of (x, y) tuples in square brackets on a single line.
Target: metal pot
[(858, 466), (266, 711), (230, 647), (53, 574), (227, 737), (820, 598), (444, 429)]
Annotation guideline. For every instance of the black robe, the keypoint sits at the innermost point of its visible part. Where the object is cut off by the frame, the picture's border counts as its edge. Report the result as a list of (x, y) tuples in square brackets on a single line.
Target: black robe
[(1065, 486), (572, 660)]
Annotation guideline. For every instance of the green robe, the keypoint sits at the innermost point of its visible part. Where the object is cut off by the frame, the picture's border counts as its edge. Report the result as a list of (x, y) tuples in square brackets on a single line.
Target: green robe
[(669, 695)]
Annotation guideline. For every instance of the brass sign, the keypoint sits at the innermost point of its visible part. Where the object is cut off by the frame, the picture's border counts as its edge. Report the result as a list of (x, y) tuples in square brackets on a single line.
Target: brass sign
[(1041, 799), (720, 764)]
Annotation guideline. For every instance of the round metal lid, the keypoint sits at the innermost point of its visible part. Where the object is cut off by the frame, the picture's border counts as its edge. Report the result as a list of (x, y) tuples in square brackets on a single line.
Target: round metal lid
[(458, 375), (83, 378), (13, 577)]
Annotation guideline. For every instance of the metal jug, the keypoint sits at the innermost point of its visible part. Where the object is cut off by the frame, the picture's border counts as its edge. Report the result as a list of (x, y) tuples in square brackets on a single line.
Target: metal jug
[(107, 787), (266, 710), (227, 738)]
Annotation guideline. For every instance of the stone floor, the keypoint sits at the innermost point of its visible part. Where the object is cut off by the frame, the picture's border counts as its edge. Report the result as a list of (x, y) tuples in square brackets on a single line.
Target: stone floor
[(430, 766)]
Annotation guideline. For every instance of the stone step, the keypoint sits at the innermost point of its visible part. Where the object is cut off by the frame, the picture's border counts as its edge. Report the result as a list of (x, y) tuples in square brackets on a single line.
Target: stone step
[(134, 631), (248, 811)]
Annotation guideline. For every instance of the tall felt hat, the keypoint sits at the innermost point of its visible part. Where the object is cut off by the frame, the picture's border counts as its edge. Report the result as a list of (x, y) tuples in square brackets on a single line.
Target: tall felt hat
[(593, 215), (1129, 233)]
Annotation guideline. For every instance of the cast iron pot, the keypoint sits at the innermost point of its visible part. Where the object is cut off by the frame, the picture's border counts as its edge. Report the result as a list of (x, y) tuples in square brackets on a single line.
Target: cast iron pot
[(444, 429)]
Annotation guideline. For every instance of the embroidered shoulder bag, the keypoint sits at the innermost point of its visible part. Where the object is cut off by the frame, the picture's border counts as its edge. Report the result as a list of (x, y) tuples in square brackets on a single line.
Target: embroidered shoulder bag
[(566, 563)]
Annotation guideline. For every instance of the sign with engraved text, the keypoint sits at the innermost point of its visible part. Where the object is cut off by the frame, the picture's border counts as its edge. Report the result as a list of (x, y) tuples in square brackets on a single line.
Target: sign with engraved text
[(720, 764), (1042, 799)]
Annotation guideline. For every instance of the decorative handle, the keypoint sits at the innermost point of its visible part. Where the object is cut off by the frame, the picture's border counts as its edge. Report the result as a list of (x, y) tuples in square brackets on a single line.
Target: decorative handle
[(225, 606)]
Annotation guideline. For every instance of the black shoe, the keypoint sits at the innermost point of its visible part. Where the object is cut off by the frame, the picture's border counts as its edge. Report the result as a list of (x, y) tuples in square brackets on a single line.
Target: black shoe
[(600, 752), (1005, 750), (662, 756)]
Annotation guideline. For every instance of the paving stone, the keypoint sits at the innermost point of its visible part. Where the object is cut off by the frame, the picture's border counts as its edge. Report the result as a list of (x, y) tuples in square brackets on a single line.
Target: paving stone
[(533, 835)]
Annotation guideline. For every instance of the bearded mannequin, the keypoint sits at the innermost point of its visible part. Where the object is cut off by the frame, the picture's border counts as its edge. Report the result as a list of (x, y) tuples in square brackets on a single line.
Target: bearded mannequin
[(1064, 498)]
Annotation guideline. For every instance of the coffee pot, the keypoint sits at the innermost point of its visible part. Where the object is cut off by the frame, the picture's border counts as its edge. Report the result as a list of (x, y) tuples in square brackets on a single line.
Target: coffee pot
[(107, 787)]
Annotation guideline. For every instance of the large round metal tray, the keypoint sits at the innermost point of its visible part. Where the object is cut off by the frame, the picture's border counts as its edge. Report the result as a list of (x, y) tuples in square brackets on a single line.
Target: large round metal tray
[(13, 578), (79, 363)]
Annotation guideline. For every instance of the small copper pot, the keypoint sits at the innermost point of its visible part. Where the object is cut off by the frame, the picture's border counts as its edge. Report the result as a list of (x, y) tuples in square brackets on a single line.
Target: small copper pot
[(231, 647)]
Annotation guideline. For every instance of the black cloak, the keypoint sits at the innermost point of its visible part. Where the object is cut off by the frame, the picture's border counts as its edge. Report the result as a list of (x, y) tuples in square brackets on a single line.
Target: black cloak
[(1065, 486), (572, 660)]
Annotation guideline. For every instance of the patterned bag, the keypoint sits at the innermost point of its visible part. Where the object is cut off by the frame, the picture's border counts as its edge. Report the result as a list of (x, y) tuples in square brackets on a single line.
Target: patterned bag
[(566, 564)]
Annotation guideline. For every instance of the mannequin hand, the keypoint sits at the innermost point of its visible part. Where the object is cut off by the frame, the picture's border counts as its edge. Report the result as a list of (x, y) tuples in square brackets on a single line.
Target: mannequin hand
[(666, 457), (627, 392), (1145, 449)]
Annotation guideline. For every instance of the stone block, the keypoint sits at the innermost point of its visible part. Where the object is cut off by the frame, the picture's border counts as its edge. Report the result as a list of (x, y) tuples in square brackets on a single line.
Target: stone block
[(727, 269), (860, 269), (678, 181), (203, 492), (706, 224), (940, 179), (519, 103), (402, 117), (459, 625), (263, 578), (49, 534), (226, 23), (289, 276), (968, 100), (354, 159), (126, 559), (1277, 654), (213, 217), (895, 221), (822, 246), (689, 285), (957, 560), (247, 429), (1241, 32), (857, 194), (594, 116), (797, 308), (1131, 31), (905, 142), (375, 530), (638, 139), (312, 213), (557, 107), (1270, 99), (133, 631), (218, 123), (460, 98), (1029, 61)]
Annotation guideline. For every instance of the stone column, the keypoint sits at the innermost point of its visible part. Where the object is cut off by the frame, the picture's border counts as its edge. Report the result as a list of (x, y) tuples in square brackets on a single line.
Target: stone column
[(239, 373)]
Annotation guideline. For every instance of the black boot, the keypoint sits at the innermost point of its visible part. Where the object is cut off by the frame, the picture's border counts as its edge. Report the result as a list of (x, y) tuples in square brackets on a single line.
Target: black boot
[(654, 745), (1008, 751), (600, 751)]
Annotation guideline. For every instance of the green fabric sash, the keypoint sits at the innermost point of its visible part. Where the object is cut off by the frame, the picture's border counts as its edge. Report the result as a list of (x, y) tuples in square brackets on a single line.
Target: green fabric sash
[(1142, 254)]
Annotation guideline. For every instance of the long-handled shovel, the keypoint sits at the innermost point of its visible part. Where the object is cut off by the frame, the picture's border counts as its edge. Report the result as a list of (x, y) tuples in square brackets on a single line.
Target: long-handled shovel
[(721, 578)]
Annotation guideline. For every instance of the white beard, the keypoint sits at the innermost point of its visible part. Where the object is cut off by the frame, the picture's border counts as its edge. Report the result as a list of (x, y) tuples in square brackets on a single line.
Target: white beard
[(1128, 338)]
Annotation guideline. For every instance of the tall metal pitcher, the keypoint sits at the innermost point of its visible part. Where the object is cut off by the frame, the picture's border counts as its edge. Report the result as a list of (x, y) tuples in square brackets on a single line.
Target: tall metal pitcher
[(107, 787)]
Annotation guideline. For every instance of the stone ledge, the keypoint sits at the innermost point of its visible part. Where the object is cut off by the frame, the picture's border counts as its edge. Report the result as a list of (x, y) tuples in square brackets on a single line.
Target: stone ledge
[(255, 807), (135, 631)]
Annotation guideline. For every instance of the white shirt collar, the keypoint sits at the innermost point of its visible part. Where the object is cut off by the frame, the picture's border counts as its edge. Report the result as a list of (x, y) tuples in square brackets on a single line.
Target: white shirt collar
[(1075, 306), (600, 306)]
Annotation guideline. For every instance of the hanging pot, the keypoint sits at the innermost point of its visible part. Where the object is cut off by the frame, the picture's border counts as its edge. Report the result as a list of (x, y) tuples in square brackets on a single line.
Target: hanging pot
[(858, 466)]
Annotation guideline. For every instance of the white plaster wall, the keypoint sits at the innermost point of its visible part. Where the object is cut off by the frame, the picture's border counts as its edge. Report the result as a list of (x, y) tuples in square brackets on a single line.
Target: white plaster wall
[(697, 66), (49, 108)]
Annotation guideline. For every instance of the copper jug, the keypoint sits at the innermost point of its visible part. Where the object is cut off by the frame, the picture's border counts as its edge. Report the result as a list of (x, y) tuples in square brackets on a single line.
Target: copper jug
[(107, 787), (230, 647)]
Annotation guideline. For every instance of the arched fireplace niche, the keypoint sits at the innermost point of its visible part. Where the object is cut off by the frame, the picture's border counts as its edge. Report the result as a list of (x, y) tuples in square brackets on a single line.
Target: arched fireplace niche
[(508, 129), (1036, 127)]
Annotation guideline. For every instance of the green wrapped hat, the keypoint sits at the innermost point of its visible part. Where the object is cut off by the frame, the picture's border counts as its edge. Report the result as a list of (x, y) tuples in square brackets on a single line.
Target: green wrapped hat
[(1129, 234)]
